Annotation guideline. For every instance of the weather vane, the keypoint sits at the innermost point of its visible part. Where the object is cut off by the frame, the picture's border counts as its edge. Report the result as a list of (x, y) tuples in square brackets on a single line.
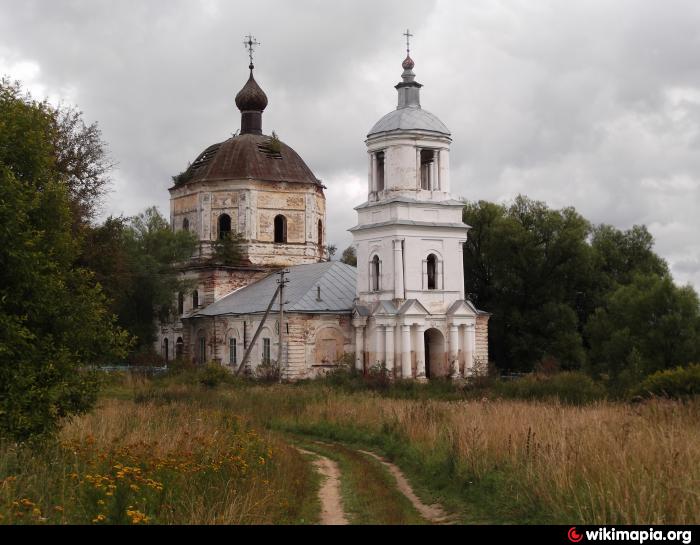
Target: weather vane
[(408, 45), (250, 43)]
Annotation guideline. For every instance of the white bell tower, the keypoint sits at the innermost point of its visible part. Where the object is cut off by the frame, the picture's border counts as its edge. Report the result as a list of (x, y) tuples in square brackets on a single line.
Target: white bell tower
[(409, 240)]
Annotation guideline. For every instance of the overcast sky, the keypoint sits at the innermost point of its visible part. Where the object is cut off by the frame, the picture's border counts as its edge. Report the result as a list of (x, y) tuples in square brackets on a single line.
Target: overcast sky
[(590, 103)]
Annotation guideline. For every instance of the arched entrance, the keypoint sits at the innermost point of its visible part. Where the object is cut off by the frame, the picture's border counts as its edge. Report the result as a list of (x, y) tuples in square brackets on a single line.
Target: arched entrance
[(435, 360)]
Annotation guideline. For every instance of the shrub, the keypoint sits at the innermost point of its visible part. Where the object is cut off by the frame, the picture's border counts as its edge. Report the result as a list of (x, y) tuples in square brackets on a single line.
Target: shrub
[(213, 374), (267, 372), (675, 383), (568, 387)]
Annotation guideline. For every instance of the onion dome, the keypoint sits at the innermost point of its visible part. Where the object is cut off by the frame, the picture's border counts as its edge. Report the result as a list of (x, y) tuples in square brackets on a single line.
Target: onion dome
[(251, 101), (408, 63), (251, 97)]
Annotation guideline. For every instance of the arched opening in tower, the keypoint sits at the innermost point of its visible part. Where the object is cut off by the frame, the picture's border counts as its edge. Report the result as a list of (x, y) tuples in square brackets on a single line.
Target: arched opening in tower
[(432, 272), (280, 229), (224, 226)]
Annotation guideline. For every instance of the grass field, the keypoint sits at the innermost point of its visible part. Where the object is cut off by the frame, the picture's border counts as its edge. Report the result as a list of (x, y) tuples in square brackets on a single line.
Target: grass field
[(172, 451)]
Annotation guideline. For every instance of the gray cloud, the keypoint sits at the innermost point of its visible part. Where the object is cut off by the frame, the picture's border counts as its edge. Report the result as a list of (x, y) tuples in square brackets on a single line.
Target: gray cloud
[(589, 103)]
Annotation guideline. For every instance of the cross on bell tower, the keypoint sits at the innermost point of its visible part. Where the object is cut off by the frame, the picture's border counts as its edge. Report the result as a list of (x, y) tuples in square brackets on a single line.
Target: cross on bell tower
[(408, 38)]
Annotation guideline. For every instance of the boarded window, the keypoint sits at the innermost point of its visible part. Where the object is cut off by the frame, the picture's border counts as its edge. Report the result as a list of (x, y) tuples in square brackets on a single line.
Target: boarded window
[(232, 356), (266, 351), (202, 350), (375, 273)]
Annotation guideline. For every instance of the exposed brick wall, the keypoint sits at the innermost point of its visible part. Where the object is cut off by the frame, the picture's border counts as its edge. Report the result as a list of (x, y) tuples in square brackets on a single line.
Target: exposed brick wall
[(482, 338)]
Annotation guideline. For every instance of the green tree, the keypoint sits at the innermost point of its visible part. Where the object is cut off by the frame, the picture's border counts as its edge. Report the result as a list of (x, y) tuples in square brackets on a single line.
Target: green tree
[(54, 318), (229, 250), (645, 326), (136, 261), (526, 263), (349, 256)]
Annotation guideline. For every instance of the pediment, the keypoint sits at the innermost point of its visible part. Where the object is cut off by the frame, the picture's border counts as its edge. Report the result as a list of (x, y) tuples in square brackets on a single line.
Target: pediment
[(462, 309), (413, 307)]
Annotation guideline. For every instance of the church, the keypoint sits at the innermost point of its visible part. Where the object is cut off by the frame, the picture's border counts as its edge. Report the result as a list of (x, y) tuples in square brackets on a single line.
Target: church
[(403, 308)]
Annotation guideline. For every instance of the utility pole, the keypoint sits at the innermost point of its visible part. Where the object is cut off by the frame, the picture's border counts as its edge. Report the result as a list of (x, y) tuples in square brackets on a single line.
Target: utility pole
[(282, 356), (257, 332)]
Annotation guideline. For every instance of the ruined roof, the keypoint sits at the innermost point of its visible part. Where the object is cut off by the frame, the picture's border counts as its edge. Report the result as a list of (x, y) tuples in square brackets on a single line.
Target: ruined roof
[(336, 280), (250, 156)]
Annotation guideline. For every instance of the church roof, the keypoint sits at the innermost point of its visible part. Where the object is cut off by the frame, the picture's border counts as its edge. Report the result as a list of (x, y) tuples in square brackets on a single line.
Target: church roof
[(250, 156), (409, 118), (336, 280)]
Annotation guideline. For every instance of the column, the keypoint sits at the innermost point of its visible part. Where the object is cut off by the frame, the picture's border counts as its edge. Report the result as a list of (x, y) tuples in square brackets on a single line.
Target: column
[(418, 180), (359, 347), (469, 340), (406, 351), (389, 350), (444, 170), (454, 351), (420, 352), (372, 173), (379, 345), (398, 269)]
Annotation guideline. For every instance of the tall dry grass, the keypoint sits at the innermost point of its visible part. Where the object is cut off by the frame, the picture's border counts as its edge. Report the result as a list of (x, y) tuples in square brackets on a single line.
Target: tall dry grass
[(134, 463), (602, 463)]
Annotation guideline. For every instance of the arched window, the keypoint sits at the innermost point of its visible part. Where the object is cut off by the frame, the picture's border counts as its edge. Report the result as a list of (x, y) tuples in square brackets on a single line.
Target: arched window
[(195, 299), (374, 274), (180, 303), (224, 226), (427, 165), (432, 272), (166, 352), (185, 224), (179, 348), (280, 229), (320, 233)]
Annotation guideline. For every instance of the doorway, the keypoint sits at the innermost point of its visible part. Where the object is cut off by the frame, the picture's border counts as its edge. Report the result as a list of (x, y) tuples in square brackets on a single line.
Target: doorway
[(435, 361)]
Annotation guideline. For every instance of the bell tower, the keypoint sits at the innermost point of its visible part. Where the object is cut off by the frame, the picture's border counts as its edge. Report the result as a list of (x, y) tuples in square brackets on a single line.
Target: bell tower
[(411, 315)]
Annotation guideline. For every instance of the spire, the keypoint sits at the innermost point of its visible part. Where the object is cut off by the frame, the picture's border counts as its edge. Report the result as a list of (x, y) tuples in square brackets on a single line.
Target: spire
[(409, 89), (251, 100)]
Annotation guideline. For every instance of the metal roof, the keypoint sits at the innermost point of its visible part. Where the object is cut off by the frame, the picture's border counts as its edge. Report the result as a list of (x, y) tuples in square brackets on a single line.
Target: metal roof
[(336, 280), (409, 118), (250, 156)]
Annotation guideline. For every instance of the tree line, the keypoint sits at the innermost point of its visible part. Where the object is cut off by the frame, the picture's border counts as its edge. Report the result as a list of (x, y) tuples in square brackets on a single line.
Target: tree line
[(567, 294)]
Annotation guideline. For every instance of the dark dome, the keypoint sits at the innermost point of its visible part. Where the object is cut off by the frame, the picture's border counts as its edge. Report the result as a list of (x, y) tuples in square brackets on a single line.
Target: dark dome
[(250, 156), (408, 63), (251, 97)]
